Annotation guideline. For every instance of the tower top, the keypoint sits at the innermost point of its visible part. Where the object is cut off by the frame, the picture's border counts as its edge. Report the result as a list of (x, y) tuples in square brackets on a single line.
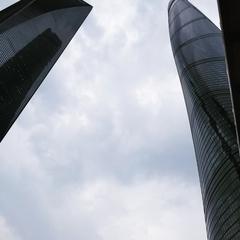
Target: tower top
[(172, 2)]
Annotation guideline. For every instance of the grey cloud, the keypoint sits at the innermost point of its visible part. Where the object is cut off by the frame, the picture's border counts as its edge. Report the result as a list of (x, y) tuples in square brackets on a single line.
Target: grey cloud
[(122, 138), (104, 131)]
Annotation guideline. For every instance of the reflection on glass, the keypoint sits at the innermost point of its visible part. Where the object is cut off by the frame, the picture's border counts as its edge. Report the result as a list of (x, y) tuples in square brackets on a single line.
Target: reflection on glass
[(199, 54), (33, 35)]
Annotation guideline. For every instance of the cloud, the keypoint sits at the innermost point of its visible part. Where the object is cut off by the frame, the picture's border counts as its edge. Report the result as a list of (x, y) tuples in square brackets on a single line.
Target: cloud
[(142, 210), (7, 3), (6, 232), (106, 209), (209, 8), (103, 150), (125, 90)]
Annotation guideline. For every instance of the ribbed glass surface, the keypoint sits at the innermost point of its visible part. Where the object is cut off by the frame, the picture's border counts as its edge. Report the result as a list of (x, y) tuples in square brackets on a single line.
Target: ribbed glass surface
[(199, 54)]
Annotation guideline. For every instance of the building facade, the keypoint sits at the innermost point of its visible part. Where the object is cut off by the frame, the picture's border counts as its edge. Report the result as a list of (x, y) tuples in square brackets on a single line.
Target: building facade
[(199, 54), (33, 35)]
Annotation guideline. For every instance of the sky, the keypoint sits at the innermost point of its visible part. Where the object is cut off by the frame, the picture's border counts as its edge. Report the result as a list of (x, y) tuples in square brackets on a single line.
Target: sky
[(103, 151)]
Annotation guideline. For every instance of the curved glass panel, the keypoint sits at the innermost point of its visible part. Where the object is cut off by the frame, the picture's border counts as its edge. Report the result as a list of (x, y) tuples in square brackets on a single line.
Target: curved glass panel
[(200, 58)]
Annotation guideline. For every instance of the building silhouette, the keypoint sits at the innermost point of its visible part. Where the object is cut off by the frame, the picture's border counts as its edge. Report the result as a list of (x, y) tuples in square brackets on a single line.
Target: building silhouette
[(229, 15), (199, 54), (33, 35)]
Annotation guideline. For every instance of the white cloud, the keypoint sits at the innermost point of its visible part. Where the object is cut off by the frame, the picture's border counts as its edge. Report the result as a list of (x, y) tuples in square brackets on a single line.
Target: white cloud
[(98, 153), (149, 209), (6, 232), (209, 8), (7, 3)]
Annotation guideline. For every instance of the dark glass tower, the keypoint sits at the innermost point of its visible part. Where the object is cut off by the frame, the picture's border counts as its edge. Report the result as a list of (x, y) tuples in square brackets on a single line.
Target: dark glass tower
[(198, 50), (33, 35)]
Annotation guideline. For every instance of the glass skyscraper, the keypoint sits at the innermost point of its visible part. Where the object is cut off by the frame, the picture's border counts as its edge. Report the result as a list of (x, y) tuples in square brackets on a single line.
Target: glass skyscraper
[(33, 35), (199, 54)]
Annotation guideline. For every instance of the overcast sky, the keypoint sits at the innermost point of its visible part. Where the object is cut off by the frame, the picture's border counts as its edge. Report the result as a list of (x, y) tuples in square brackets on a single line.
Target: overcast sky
[(104, 151)]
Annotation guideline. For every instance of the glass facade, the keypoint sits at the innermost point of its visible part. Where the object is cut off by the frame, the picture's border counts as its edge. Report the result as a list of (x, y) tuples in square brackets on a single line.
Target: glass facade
[(33, 35), (198, 50)]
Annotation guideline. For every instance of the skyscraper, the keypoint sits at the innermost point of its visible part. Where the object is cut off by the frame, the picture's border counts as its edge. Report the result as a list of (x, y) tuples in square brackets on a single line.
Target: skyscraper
[(33, 35), (198, 50)]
